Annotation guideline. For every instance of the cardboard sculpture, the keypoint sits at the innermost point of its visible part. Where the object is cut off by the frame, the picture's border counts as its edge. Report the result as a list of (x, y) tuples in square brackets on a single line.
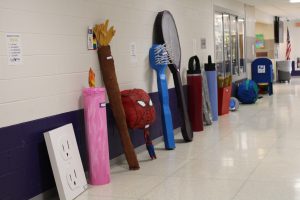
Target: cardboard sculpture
[(159, 60), (140, 113), (165, 32), (211, 75), (104, 36), (207, 114), (96, 133), (65, 162), (194, 93), (92, 80)]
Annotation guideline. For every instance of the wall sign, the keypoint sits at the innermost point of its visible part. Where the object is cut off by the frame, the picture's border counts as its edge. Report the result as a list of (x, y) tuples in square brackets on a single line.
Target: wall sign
[(132, 51), (91, 39), (14, 49), (261, 69), (260, 41)]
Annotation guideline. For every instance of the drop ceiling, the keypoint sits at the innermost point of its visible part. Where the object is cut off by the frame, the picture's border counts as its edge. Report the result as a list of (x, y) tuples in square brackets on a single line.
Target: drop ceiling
[(282, 8)]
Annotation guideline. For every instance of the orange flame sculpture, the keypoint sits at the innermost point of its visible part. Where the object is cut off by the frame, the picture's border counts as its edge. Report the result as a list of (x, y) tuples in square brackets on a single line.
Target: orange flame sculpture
[(92, 81)]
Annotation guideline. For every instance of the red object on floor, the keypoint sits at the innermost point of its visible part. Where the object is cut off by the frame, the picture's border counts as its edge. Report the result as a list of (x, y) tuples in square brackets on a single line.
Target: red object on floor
[(263, 88), (194, 82), (224, 95)]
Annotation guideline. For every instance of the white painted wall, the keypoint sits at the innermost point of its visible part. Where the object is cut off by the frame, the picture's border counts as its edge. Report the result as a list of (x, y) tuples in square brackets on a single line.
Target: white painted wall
[(266, 29), (233, 6), (250, 37), (263, 17), (295, 40), (56, 60)]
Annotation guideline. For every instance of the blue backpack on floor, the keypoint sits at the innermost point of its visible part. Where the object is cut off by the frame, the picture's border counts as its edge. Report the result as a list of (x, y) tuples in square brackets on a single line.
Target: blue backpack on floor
[(247, 92)]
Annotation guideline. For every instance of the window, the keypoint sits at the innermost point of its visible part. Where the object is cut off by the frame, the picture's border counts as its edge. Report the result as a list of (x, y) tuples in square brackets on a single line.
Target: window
[(219, 43), (229, 44), (234, 44), (241, 44)]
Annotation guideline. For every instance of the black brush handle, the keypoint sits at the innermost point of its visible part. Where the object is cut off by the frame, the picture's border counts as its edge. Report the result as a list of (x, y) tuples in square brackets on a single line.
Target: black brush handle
[(186, 129)]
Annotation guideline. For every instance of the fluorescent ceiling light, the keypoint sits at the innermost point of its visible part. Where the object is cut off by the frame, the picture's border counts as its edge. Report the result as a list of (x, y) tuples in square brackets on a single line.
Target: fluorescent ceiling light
[(294, 1)]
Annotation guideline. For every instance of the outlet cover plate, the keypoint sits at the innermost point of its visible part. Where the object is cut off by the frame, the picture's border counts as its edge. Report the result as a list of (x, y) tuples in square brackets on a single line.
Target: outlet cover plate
[(66, 162)]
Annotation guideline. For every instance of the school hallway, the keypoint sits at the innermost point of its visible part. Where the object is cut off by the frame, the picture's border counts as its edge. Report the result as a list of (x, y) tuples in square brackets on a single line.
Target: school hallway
[(251, 154)]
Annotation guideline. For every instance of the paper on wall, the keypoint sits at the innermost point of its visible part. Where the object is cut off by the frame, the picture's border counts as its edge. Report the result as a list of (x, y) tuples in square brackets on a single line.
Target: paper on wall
[(14, 48), (133, 54), (261, 69)]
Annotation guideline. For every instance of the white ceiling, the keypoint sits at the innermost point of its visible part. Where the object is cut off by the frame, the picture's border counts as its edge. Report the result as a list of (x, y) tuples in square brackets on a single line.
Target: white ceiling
[(280, 8)]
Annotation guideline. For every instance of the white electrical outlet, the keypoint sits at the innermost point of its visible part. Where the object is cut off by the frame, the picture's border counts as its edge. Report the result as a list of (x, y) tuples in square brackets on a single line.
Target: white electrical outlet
[(65, 148), (66, 162)]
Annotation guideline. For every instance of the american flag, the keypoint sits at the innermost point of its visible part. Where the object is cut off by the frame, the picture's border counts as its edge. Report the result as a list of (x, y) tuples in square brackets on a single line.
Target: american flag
[(288, 45)]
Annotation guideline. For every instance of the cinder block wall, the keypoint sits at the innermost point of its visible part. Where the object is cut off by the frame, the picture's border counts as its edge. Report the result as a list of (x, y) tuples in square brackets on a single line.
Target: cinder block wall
[(45, 91), (55, 56)]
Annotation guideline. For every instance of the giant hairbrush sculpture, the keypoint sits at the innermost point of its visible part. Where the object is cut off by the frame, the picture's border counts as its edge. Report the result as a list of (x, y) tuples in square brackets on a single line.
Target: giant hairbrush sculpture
[(165, 32), (140, 113), (104, 36)]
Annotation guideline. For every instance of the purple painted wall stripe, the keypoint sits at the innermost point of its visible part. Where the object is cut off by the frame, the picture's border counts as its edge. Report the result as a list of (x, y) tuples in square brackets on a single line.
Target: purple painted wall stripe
[(25, 169)]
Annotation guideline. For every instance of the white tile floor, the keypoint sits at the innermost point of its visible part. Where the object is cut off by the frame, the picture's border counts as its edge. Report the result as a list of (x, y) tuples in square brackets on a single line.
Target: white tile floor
[(251, 154)]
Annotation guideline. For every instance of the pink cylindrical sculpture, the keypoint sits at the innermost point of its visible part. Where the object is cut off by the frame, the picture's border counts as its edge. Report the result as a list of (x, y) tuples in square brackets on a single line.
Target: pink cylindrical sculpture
[(96, 135)]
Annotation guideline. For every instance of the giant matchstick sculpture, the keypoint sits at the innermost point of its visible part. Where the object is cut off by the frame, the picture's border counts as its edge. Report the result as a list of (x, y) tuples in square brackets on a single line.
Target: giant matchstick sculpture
[(104, 37)]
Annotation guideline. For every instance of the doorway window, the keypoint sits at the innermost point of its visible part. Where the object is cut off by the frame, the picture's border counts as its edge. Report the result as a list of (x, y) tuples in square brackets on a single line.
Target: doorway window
[(229, 44)]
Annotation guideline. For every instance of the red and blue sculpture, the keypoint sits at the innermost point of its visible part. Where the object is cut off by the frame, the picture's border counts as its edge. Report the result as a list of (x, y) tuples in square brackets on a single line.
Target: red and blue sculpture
[(140, 113)]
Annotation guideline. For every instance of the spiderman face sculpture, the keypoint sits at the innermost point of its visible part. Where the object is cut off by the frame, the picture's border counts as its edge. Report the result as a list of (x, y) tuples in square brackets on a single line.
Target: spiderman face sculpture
[(138, 107)]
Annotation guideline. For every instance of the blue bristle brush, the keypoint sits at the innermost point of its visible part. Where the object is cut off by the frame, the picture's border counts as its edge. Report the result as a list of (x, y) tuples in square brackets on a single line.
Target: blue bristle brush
[(159, 60)]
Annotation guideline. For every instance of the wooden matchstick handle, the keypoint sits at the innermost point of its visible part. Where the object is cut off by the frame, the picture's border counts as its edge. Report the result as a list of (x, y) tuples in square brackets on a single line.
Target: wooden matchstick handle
[(110, 81)]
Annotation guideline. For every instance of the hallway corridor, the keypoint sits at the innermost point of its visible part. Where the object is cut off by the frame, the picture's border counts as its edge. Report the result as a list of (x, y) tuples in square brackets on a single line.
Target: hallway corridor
[(251, 154)]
